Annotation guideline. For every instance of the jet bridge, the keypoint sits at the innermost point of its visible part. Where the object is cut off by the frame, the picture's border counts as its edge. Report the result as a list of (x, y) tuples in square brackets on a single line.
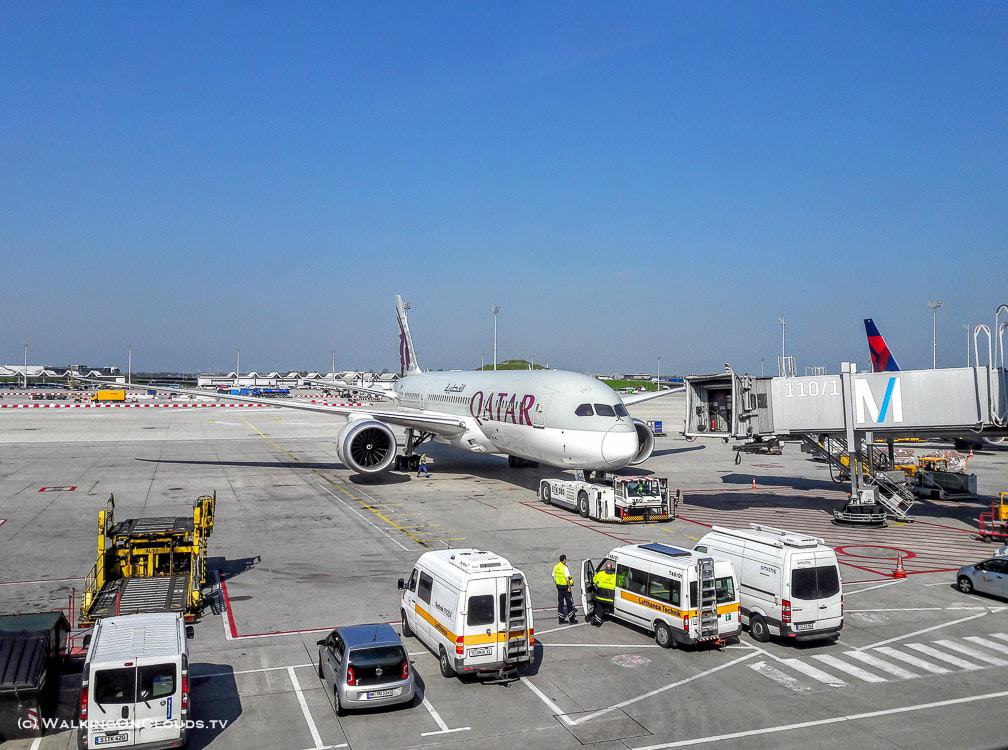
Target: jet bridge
[(838, 415)]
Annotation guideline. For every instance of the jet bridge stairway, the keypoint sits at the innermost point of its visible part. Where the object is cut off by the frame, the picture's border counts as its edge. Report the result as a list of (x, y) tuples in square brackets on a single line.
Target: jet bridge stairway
[(895, 497)]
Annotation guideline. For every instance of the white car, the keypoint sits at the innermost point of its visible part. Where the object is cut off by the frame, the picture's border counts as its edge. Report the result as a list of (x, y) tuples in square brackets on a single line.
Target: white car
[(986, 577)]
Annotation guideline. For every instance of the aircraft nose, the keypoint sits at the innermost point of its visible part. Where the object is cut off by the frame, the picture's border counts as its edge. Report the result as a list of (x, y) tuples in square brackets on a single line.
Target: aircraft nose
[(619, 445)]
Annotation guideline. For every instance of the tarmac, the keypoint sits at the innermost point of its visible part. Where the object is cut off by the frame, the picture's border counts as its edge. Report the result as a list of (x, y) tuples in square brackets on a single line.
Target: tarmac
[(302, 545)]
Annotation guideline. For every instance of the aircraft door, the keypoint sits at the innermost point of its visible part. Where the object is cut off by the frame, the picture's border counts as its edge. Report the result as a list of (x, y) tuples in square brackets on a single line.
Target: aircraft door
[(587, 588)]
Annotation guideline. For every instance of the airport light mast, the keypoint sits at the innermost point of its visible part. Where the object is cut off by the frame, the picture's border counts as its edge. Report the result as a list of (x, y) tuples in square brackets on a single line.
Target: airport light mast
[(658, 375), (495, 309), (129, 364), (26, 365), (934, 305)]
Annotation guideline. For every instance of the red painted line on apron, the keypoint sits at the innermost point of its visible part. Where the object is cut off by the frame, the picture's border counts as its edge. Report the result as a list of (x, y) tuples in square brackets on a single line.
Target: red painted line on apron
[(577, 523), (227, 607)]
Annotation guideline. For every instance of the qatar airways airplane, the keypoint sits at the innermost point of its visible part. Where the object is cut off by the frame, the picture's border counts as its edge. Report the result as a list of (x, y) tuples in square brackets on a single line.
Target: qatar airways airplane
[(558, 418)]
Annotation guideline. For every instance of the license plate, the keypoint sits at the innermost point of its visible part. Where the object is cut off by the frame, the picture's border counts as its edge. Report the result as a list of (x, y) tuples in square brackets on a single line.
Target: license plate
[(380, 694), (108, 739), (803, 625), (484, 651)]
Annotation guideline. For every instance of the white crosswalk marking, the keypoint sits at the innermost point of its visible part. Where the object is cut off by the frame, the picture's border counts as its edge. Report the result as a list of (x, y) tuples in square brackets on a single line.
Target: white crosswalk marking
[(850, 669), (779, 677), (992, 645), (882, 664), (815, 673), (1002, 636), (973, 653), (912, 660), (942, 656)]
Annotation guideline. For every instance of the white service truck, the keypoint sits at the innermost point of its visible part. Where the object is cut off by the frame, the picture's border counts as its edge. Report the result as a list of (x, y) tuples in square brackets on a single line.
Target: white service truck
[(616, 499)]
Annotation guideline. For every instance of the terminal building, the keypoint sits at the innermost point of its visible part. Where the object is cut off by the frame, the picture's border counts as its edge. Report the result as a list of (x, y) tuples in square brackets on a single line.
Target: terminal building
[(14, 376)]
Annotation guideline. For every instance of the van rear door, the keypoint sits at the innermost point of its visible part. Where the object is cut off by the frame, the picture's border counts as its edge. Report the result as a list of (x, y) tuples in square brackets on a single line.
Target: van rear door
[(830, 590), (111, 703), (159, 700), (815, 592), (482, 622)]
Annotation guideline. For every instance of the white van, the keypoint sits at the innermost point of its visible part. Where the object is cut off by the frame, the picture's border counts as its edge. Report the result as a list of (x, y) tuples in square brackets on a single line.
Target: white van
[(471, 608), (681, 596), (790, 583), (135, 689)]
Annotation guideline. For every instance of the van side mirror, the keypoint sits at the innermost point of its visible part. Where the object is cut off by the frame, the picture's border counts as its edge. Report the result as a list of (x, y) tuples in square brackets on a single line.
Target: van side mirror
[(87, 640), (400, 584), (321, 643), (190, 631)]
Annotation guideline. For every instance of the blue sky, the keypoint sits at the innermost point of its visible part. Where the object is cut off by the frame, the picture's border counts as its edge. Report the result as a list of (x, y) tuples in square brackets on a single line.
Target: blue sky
[(624, 181)]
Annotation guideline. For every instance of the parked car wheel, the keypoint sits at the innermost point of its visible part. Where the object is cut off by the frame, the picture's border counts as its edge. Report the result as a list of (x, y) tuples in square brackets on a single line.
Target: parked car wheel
[(545, 494), (340, 711), (583, 504), (965, 585)]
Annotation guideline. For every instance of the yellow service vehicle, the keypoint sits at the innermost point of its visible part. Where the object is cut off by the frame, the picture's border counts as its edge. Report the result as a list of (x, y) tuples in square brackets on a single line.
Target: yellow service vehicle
[(149, 564), (110, 395)]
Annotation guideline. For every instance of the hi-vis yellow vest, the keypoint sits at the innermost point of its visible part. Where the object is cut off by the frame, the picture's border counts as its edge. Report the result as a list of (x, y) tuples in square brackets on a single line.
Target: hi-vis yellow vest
[(605, 585), (561, 575)]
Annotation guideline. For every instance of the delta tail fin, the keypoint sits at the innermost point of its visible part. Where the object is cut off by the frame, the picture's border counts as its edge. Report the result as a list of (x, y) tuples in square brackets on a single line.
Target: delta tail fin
[(407, 354), (882, 359)]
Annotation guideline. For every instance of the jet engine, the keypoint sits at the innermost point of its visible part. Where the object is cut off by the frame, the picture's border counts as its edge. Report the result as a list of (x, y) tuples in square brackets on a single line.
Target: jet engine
[(366, 446), (645, 442)]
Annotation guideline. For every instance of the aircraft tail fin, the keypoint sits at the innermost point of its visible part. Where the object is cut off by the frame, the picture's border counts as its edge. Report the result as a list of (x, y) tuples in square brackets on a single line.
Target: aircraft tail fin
[(407, 355), (882, 359)]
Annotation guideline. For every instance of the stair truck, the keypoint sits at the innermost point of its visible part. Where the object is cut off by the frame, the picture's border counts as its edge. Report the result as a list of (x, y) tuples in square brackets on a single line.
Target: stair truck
[(616, 499), (149, 564)]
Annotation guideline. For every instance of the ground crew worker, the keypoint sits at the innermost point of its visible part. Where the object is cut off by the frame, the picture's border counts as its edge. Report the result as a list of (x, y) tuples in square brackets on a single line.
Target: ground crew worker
[(605, 591), (423, 468), (564, 583)]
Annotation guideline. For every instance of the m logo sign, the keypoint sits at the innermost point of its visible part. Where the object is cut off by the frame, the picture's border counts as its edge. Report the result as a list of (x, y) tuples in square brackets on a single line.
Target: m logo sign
[(867, 406)]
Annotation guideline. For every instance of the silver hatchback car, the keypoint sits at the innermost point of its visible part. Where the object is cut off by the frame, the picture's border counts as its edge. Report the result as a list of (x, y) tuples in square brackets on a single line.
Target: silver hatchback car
[(365, 666), (986, 577)]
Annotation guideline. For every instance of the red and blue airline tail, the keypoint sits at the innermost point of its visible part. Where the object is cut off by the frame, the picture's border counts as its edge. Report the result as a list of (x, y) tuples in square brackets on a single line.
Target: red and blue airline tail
[(882, 359)]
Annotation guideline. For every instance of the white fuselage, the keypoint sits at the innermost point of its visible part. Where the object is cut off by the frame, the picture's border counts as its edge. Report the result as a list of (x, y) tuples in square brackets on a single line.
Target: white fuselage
[(536, 415)]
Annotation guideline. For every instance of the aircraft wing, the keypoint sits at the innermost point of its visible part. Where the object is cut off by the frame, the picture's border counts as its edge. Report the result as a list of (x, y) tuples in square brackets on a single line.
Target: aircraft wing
[(639, 397), (439, 423)]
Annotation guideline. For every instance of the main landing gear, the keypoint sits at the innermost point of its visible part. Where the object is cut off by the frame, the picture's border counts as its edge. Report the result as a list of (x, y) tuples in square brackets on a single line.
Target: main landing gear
[(410, 459)]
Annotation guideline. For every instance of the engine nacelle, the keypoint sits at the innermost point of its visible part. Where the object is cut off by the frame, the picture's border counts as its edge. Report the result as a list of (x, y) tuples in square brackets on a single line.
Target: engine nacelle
[(645, 442), (366, 446)]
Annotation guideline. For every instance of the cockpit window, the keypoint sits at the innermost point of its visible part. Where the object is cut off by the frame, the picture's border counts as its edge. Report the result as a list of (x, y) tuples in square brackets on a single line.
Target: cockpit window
[(621, 411), (584, 410), (604, 410)]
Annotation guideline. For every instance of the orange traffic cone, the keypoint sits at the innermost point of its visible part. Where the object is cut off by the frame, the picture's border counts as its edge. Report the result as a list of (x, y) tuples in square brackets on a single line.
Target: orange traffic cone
[(754, 482), (899, 571)]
